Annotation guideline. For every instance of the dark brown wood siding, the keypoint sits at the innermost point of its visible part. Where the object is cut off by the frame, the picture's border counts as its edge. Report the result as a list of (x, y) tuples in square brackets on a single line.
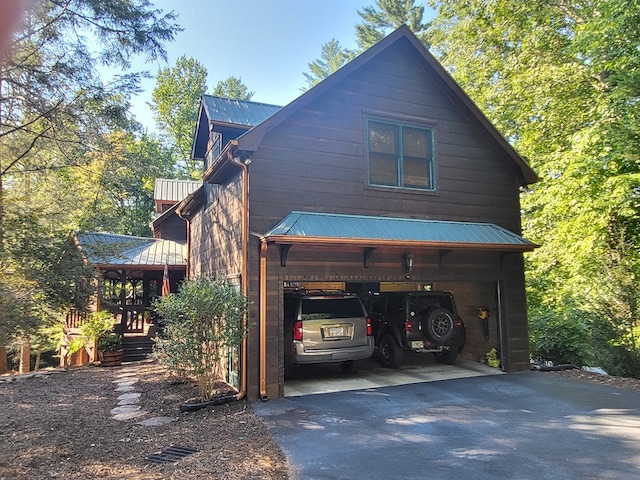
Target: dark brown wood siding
[(316, 161), (216, 232)]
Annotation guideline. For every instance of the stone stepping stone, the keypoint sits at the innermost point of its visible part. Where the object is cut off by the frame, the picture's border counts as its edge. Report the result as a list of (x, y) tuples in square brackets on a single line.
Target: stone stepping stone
[(125, 388), (125, 409), (130, 396), (129, 415), (126, 381), (156, 421)]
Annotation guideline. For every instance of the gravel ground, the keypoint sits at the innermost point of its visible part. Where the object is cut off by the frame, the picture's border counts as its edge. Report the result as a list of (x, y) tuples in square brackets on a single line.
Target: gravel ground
[(61, 425)]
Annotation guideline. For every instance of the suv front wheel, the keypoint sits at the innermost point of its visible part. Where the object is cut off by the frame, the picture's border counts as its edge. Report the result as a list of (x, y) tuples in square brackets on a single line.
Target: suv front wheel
[(390, 352), (438, 325)]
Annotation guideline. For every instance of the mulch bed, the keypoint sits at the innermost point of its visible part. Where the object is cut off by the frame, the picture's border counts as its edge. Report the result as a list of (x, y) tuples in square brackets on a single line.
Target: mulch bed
[(61, 426)]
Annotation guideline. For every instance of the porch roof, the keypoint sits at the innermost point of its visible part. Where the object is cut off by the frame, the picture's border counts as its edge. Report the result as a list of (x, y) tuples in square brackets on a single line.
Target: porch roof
[(331, 228), (111, 250)]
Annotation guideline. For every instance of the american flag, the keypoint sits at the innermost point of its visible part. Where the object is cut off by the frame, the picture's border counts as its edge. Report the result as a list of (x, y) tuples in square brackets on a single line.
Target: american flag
[(165, 281)]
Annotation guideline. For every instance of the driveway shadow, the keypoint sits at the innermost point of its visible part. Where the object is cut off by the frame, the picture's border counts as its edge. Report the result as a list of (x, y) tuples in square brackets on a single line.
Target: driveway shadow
[(529, 425)]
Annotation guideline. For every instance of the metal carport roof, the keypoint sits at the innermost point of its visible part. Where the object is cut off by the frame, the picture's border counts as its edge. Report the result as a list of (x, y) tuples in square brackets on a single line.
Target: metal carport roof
[(322, 228), (108, 249)]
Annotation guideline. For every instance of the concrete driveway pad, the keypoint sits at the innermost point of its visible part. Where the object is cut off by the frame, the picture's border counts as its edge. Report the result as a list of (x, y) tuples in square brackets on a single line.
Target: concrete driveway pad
[(530, 425)]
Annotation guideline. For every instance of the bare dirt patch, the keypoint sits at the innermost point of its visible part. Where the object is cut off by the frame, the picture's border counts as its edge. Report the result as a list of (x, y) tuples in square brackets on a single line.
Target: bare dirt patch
[(61, 426)]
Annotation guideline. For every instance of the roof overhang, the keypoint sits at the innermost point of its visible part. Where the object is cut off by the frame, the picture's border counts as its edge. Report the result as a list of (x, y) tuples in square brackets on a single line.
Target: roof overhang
[(111, 251), (325, 229)]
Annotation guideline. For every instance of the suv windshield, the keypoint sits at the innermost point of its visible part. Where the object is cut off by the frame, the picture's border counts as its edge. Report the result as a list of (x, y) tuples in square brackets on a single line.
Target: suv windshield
[(331, 307)]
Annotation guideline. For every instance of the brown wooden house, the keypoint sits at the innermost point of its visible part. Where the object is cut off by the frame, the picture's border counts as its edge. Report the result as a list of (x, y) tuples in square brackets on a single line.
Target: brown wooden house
[(386, 157)]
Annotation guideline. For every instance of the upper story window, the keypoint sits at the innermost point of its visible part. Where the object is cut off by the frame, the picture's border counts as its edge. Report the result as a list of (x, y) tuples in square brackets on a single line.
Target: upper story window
[(400, 155)]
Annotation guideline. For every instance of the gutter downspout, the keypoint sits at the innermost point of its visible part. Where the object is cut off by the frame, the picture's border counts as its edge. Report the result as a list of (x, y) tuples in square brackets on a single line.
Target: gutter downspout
[(188, 222), (244, 166), (263, 320)]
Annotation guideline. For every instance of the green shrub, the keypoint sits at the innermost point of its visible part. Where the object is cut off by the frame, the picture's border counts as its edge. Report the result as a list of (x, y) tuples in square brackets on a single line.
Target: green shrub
[(618, 360), (109, 342), (97, 324), (560, 338), (202, 321)]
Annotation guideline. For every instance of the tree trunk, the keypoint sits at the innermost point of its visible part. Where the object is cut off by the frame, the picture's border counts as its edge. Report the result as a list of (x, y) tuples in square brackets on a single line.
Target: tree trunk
[(25, 357), (4, 367), (36, 367)]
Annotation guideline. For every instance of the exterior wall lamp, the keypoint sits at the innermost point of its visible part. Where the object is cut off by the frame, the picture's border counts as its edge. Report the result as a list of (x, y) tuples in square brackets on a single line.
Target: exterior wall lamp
[(407, 262)]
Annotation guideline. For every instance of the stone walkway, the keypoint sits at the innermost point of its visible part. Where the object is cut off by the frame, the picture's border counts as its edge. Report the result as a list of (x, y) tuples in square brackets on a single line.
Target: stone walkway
[(128, 402)]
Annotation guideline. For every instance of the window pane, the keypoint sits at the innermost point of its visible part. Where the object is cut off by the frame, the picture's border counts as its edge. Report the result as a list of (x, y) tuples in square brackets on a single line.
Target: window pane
[(416, 173), (416, 142), (383, 169), (382, 138)]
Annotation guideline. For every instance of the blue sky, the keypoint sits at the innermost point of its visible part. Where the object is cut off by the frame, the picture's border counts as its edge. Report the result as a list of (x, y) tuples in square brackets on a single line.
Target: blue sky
[(266, 43)]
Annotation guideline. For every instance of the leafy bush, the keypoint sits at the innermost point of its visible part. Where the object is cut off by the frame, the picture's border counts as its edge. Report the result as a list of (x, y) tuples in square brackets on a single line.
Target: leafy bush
[(201, 323), (560, 337), (109, 342), (97, 324)]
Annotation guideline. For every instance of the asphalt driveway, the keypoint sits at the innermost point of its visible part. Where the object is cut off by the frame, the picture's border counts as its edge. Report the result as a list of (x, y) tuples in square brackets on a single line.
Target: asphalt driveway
[(530, 425)]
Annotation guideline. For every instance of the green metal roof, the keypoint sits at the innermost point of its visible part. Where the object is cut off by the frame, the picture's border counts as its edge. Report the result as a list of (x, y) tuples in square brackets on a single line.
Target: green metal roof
[(303, 227), (237, 112), (110, 249)]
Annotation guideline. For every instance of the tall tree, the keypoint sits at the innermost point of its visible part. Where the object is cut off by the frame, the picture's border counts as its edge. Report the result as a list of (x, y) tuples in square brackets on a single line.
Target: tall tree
[(332, 58), (175, 101), (232, 87), (388, 15), (53, 104), (561, 81), (55, 111), (377, 21)]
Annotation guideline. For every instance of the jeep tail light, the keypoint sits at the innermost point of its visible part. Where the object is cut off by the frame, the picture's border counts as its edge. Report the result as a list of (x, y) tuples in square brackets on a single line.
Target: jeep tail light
[(408, 326), (297, 331), (369, 329), (458, 323)]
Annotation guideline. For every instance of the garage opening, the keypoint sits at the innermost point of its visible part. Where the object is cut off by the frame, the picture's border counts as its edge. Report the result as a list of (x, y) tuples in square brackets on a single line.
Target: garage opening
[(476, 304)]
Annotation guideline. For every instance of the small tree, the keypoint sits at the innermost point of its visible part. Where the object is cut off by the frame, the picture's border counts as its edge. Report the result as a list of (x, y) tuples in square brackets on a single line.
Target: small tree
[(202, 322)]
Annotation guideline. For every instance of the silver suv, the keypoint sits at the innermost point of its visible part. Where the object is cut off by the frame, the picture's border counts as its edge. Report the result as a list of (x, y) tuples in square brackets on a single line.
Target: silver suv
[(325, 327)]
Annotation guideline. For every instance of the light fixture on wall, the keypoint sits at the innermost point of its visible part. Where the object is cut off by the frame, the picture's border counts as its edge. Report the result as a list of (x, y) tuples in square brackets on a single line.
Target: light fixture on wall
[(407, 262)]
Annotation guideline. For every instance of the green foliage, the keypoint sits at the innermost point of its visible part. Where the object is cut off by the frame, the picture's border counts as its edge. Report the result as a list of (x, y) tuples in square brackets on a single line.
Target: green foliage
[(97, 324), (232, 87), (620, 361), (377, 22), (202, 322), (561, 82), (386, 16), (560, 338), (56, 118), (176, 97), (333, 57), (109, 342)]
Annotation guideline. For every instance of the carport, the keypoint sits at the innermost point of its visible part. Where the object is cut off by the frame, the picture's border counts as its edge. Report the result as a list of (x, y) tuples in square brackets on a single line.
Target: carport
[(480, 263)]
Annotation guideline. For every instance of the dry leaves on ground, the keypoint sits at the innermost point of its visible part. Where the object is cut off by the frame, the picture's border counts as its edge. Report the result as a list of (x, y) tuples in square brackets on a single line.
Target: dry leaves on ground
[(61, 426)]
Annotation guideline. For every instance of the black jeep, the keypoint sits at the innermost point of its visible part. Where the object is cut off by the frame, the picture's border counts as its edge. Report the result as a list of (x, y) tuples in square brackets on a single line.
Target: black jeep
[(415, 321)]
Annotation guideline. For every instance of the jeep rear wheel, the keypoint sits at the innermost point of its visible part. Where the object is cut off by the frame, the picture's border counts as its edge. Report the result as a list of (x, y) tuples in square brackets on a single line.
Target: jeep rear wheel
[(390, 352), (438, 325)]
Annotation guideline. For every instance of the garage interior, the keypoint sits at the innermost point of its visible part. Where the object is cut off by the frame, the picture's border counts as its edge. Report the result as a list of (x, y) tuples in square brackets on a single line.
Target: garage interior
[(478, 304)]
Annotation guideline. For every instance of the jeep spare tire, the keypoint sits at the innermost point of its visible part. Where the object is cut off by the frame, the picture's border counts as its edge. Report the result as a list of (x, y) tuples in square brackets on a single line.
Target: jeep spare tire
[(438, 325)]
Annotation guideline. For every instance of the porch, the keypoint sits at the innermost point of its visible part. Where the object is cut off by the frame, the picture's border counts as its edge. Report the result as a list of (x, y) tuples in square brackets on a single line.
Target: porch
[(131, 275)]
